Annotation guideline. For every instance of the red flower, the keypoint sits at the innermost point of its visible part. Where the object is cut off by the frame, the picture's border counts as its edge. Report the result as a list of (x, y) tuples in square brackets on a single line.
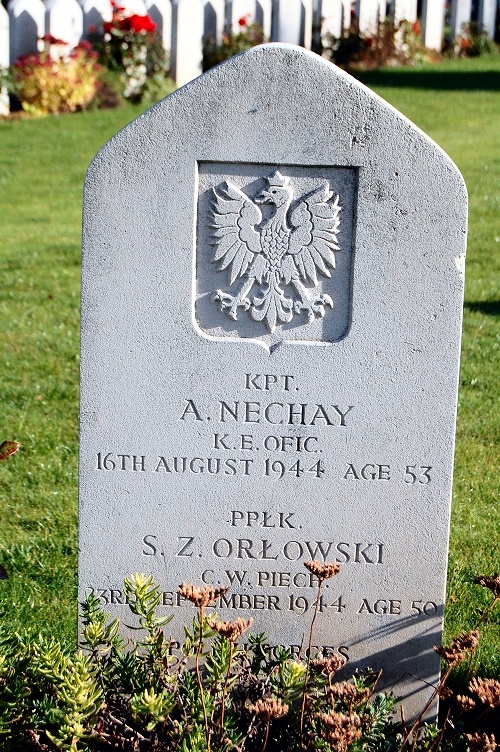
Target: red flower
[(416, 27), (242, 21), (92, 28), (50, 39), (141, 23)]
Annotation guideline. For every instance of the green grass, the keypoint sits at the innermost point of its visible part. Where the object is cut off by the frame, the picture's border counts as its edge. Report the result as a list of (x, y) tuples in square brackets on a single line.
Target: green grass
[(42, 166)]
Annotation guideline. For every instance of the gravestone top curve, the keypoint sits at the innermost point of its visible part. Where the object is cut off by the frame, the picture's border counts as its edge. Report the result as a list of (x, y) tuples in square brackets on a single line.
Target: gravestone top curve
[(273, 264)]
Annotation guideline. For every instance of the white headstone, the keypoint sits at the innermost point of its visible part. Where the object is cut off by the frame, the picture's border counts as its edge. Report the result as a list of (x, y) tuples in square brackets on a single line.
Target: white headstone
[(405, 10), (433, 23), (487, 16), (187, 36), (259, 11), (64, 20), (331, 17), (137, 7), (346, 14), (369, 13), (27, 25), (307, 21), (286, 21), (161, 13), (243, 415), (213, 19), (95, 13), (460, 15), (4, 57)]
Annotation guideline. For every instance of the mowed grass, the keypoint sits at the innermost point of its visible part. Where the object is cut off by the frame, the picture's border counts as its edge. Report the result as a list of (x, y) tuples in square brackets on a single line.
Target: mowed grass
[(42, 167)]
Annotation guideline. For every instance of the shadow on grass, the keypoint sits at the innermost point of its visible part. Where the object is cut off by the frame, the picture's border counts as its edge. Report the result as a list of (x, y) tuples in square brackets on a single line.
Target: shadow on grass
[(440, 80), (489, 307)]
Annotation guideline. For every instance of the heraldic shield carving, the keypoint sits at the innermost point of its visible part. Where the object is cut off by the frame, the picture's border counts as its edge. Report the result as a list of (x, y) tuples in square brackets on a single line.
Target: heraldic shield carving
[(274, 251)]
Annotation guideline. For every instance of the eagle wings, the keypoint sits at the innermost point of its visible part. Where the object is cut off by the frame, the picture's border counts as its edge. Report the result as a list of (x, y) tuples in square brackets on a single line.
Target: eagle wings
[(287, 248)]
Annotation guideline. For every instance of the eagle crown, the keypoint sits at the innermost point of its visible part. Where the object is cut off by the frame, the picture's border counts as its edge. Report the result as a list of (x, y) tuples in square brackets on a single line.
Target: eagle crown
[(278, 192)]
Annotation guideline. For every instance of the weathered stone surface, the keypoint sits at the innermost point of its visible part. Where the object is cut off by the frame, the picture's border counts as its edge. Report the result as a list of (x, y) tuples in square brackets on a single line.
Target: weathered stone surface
[(230, 450)]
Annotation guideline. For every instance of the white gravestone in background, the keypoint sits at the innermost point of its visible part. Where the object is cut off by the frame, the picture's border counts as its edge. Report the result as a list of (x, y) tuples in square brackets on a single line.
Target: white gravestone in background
[(95, 13), (330, 14), (64, 20), (487, 16), (27, 25), (273, 263), (405, 10), (369, 13), (161, 13), (433, 23), (187, 36), (256, 11), (213, 19), (460, 15), (4, 57), (292, 22)]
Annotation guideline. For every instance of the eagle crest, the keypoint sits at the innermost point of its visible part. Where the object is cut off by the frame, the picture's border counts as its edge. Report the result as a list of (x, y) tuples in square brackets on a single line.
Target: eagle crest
[(283, 252)]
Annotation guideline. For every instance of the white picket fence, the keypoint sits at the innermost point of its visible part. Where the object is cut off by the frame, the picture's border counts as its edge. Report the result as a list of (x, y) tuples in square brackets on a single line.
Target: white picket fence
[(183, 24)]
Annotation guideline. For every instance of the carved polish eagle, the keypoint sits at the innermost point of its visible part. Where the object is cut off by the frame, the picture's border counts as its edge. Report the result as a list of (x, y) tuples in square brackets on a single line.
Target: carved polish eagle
[(287, 248)]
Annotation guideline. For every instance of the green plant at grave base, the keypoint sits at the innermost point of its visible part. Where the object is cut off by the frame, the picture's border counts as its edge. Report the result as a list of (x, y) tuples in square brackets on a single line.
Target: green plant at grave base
[(246, 698), (249, 35)]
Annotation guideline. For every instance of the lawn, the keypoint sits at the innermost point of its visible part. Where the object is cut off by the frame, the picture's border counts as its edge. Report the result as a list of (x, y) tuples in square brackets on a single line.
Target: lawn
[(42, 167)]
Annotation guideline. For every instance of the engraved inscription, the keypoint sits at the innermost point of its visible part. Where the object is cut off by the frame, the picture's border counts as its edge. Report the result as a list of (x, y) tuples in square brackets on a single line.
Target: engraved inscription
[(288, 248)]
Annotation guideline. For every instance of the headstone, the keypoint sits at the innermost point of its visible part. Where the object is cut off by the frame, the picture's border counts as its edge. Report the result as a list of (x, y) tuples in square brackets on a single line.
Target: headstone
[(213, 19), (161, 13), (460, 15), (292, 22), (405, 10), (487, 16), (369, 13), (27, 25), (187, 36), (433, 23), (64, 20), (330, 12), (308, 23), (259, 11), (95, 13), (271, 315), (4, 57), (137, 7)]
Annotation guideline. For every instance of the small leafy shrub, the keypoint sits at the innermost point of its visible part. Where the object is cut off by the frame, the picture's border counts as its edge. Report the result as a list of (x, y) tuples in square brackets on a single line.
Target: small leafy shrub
[(249, 35), (392, 43), (215, 695), (131, 46), (473, 42), (50, 85)]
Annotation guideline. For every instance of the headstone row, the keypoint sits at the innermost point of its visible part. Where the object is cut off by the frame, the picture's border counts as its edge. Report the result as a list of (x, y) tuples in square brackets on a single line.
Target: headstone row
[(183, 24)]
